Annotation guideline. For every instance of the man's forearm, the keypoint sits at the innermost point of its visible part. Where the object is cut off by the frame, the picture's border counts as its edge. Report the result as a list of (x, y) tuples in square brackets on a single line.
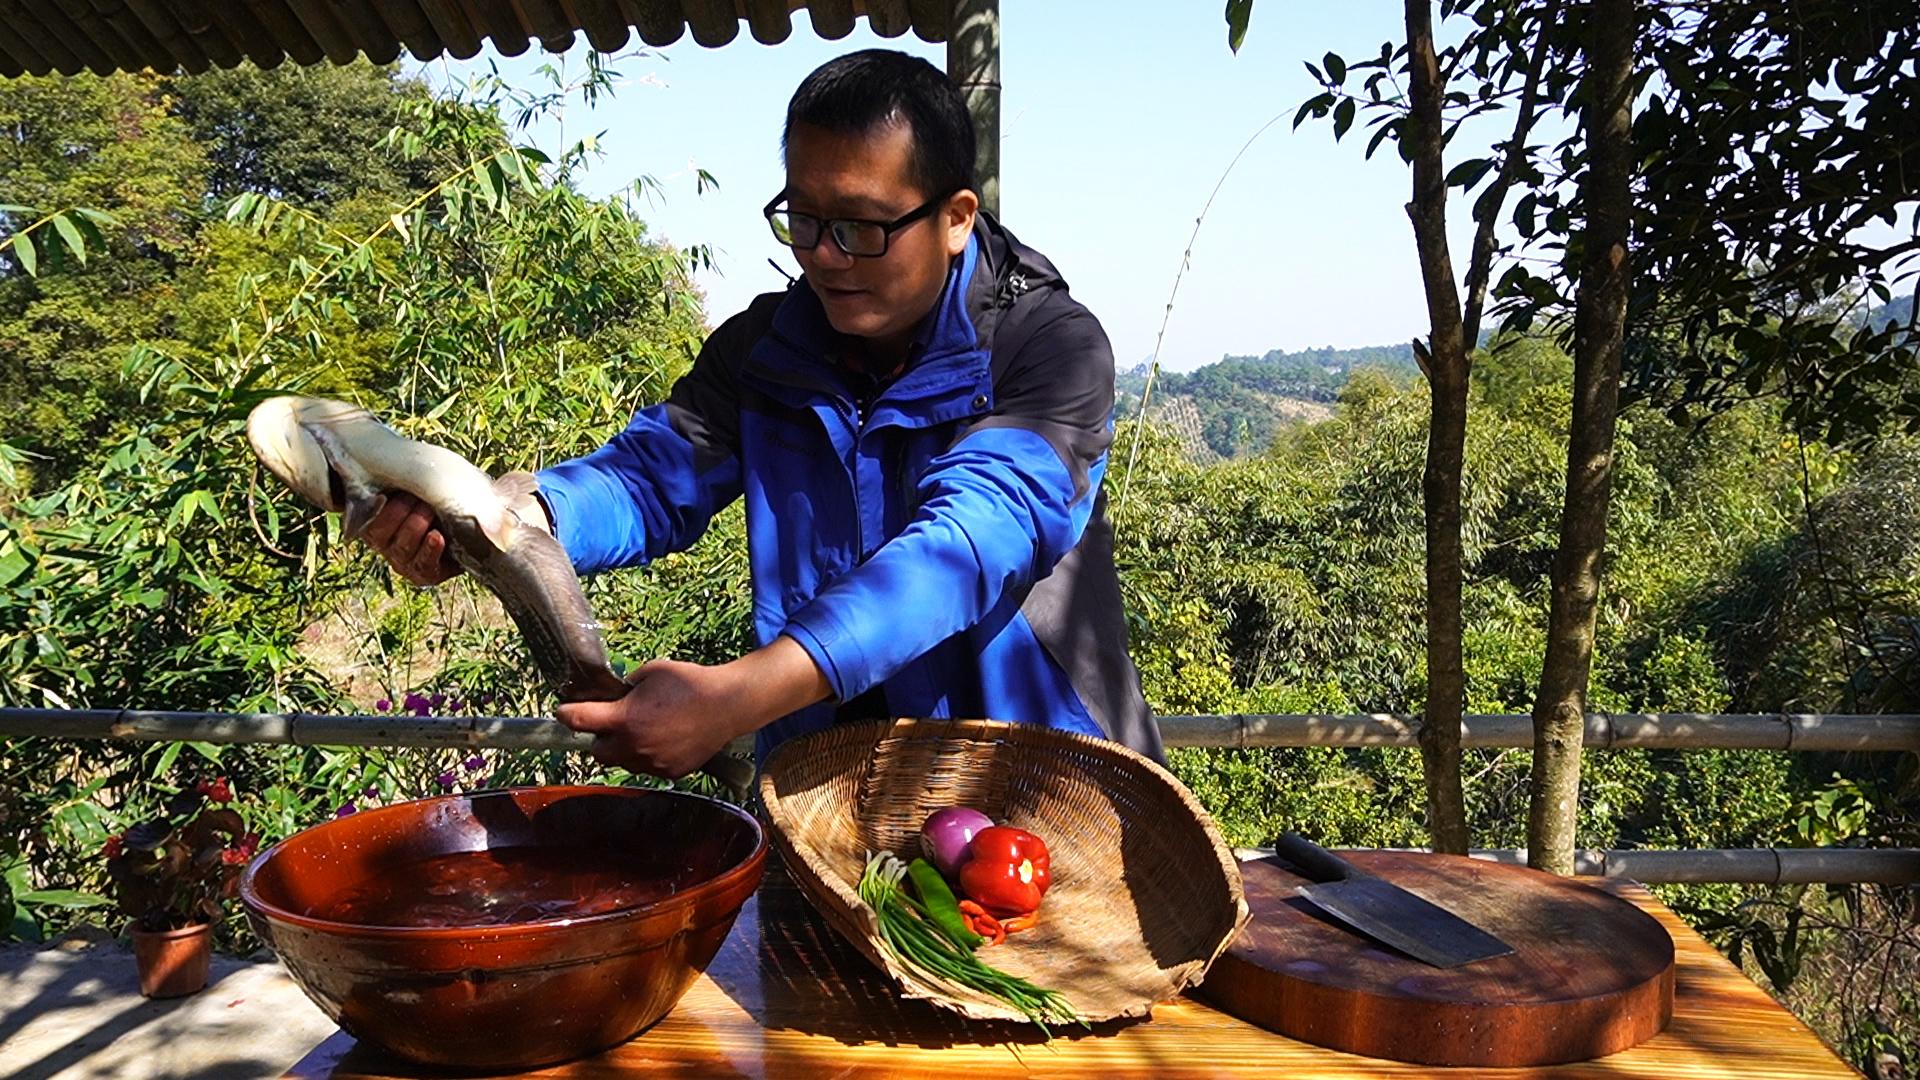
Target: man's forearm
[(774, 681)]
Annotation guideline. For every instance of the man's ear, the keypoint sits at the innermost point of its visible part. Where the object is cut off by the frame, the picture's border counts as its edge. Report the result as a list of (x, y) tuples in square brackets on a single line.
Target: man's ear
[(958, 218)]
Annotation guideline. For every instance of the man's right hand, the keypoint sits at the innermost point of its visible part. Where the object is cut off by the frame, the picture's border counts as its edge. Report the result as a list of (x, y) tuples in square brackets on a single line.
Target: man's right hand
[(408, 536)]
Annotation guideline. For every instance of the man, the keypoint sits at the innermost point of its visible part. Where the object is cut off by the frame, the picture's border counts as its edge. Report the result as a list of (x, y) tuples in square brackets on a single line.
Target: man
[(919, 427)]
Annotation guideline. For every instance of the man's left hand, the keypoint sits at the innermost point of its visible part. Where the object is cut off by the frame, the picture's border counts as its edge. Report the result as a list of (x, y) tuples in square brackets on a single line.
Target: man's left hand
[(678, 714)]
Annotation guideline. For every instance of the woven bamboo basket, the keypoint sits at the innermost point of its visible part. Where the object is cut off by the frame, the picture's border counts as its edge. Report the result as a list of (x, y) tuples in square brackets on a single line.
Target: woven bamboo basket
[(1145, 892)]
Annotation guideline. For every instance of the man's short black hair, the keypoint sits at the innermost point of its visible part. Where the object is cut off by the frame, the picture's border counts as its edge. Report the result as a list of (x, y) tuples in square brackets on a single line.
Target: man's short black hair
[(859, 92)]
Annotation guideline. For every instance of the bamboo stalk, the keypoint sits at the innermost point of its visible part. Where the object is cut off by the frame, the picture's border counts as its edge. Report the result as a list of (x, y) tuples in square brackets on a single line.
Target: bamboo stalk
[(170, 34), (75, 38), (91, 23), (929, 19), (832, 19), (36, 37), (450, 23), (408, 23), (240, 26), (1653, 731), (605, 27), (1673, 731), (1738, 866), (497, 20), (192, 18), (658, 21), (127, 24), (769, 21), (1668, 731), (364, 26), (17, 56), (287, 32), (549, 23), (888, 18), (302, 729), (713, 22), (327, 32)]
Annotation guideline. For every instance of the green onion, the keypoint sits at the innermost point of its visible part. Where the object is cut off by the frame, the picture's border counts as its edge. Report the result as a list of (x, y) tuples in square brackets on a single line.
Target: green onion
[(917, 942)]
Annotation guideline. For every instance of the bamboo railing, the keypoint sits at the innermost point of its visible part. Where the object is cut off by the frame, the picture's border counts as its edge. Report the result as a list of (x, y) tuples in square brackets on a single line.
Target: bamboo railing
[(1801, 732)]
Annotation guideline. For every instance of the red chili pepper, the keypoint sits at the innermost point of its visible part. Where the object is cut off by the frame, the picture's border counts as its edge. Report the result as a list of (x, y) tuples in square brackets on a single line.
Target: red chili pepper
[(982, 923), (1007, 870), (1020, 922)]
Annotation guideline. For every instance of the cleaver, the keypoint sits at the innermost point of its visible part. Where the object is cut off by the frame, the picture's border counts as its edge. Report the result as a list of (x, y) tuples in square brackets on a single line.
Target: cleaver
[(1384, 911)]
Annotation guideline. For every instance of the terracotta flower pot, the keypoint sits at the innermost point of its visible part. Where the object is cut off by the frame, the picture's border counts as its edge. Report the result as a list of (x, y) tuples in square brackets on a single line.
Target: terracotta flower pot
[(173, 963)]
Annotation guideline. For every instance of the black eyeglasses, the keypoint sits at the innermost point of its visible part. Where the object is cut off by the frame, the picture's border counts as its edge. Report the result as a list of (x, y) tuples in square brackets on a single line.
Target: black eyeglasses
[(855, 236)]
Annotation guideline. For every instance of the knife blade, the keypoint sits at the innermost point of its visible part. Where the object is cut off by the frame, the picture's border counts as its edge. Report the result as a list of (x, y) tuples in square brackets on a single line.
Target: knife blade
[(1384, 911)]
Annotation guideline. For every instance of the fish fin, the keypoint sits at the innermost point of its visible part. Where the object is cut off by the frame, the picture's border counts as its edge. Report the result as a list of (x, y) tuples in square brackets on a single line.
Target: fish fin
[(515, 486), (360, 513), (516, 493)]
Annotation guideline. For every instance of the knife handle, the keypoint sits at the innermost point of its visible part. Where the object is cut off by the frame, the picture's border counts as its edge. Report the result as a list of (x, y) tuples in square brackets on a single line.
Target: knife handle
[(1317, 862)]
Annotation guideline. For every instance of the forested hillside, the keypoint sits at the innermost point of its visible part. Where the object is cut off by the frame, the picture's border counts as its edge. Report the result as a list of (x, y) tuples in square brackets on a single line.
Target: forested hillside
[(1240, 402)]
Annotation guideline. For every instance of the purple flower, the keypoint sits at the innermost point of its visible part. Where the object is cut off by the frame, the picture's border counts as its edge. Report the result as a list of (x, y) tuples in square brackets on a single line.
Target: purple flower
[(369, 791), (445, 779), (456, 705), (474, 762), (382, 705), (414, 703), (437, 700), (486, 698), (345, 809)]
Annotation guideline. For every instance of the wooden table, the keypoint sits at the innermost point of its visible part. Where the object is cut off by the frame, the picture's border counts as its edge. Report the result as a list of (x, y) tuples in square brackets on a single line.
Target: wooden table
[(787, 998)]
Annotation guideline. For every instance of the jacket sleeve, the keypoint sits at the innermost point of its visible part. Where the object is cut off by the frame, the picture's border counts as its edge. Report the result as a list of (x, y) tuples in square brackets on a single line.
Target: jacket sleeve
[(653, 487), (997, 510)]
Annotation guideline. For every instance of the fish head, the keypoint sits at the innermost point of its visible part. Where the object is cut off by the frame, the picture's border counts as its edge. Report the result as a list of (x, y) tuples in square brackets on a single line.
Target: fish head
[(289, 452)]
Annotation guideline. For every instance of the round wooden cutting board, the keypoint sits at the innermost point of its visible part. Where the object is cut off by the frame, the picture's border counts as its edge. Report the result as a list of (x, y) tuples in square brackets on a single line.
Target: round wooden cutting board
[(1590, 973)]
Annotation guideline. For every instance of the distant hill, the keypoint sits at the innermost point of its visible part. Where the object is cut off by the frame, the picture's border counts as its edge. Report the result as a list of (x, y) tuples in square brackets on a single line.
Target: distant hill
[(1898, 310), (1235, 406)]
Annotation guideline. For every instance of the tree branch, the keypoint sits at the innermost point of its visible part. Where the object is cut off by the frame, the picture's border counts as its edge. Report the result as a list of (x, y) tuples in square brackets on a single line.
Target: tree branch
[(1480, 262)]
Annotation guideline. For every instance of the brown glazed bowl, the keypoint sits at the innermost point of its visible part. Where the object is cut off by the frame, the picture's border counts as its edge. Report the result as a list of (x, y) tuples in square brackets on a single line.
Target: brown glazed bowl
[(360, 911)]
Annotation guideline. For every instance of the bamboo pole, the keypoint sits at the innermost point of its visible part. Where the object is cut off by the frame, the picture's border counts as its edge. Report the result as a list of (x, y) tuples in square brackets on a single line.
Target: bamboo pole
[(605, 27), (451, 25), (1727, 866), (170, 35), (929, 19), (832, 19), (973, 63), (888, 18), (1647, 731), (769, 20), (1655, 731)]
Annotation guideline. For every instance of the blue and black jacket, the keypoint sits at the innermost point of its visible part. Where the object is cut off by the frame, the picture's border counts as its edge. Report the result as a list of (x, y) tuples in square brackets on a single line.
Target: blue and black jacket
[(938, 542)]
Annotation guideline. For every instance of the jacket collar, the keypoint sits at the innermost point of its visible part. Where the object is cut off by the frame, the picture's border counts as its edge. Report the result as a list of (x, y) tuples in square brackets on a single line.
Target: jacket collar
[(945, 348)]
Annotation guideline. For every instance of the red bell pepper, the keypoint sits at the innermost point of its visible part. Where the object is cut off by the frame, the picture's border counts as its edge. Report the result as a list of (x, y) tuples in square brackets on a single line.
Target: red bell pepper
[(1007, 871)]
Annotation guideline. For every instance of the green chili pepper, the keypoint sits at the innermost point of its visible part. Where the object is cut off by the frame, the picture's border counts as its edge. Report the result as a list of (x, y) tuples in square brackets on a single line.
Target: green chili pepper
[(942, 906)]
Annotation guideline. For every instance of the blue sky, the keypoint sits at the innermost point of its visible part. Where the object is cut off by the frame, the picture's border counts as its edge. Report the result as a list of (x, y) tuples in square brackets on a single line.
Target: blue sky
[(1117, 121)]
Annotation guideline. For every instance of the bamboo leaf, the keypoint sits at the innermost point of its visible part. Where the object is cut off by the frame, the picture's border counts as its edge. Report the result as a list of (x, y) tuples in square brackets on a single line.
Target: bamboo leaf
[(1238, 12), (69, 232), (29, 259)]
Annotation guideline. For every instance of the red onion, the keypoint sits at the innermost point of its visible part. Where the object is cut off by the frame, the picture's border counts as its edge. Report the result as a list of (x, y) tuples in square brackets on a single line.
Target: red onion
[(946, 834)]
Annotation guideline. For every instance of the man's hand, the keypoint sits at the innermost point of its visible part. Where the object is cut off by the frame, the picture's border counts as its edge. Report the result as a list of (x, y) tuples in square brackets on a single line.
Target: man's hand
[(678, 714), (408, 535)]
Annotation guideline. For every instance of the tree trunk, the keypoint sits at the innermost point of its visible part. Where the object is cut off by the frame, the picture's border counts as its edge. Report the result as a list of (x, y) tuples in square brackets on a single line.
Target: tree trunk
[(1445, 362), (1600, 315)]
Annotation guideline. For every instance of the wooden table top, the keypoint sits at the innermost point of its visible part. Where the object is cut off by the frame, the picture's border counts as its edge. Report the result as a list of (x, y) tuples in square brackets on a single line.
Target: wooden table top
[(786, 997)]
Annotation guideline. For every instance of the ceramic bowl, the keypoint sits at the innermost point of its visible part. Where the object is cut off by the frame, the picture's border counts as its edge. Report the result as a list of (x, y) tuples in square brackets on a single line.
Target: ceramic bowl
[(511, 928)]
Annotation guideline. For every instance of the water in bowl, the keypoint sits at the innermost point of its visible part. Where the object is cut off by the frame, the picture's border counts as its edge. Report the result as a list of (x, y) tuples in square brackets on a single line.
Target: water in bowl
[(499, 887)]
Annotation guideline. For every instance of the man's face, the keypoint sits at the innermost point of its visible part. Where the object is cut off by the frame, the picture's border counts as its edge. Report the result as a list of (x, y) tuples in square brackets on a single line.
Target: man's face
[(834, 175)]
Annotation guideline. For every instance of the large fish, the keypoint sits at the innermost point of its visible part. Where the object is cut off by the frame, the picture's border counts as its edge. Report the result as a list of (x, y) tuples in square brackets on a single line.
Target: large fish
[(340, 458)]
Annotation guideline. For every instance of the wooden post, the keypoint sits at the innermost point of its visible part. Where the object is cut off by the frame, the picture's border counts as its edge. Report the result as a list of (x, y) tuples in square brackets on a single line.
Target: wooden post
[(973, 63)]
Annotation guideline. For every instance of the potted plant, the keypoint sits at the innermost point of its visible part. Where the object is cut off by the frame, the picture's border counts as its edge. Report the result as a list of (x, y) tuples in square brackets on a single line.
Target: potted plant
[(171, 876)]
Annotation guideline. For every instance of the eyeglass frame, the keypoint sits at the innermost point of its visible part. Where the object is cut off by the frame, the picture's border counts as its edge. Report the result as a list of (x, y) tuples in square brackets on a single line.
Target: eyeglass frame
[(887, 228)]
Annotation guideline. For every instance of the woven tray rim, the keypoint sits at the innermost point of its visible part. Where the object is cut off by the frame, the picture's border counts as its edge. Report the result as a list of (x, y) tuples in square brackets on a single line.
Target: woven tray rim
[(836, 900)]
